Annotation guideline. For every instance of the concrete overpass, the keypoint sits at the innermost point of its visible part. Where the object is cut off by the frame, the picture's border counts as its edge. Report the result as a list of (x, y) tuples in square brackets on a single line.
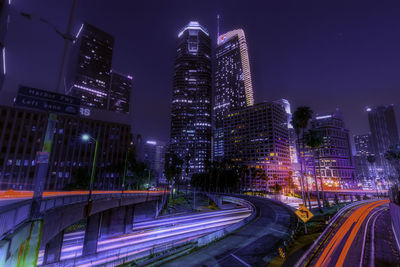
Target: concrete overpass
[(19, 234)]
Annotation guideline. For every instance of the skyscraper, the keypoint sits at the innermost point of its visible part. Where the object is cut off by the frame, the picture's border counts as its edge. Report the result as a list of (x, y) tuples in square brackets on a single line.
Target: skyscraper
[(258, 137), (120, 92), (233, 86), (364, 169), (191, 98), (384, 134), (90, 73), (333, 161), (362, 143)]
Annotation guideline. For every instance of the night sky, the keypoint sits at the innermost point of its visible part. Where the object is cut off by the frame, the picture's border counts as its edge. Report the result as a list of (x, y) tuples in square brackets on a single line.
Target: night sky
[(323, 54)]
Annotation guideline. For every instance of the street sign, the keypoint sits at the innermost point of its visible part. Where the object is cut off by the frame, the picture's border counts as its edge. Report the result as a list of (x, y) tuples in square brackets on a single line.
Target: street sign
[(47, 101), (304, 214)]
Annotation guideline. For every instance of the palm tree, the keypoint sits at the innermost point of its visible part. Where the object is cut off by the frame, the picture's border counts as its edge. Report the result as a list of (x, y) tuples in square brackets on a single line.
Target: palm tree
[(314, 140), (300, 120), (371, 159)]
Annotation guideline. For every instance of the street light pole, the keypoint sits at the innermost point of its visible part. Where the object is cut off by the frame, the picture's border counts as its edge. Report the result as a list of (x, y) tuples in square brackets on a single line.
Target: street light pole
[(93, 171), (87, 137)]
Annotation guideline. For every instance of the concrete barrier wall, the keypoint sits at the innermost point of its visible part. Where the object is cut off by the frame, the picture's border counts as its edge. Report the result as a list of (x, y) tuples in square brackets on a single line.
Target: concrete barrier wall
[(204, 240), (395, 214)]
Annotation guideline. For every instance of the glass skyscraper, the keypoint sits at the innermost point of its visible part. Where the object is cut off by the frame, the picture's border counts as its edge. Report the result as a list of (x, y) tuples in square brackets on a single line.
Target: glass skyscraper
[(120, 92), (91, 78), (191, 98), (91, 66), (233, 85), (384, 134)]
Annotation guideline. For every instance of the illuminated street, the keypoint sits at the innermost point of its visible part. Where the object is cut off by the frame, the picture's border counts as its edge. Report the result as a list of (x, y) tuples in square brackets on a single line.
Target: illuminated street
[(362, 236), (156, 233)]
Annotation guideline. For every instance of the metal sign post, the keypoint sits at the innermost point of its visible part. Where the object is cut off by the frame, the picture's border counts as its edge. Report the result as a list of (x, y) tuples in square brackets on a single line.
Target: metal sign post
[(42, 161)]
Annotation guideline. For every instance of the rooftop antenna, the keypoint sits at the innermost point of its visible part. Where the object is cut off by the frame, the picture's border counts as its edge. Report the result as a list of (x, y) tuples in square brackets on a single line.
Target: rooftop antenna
[(217, 27)]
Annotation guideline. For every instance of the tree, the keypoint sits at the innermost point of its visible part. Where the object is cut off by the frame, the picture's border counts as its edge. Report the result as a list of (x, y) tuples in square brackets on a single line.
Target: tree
[(276, 188), (314, 140), (172, 168), (393, 156), (290, 186), (300, 120), (81, 179)]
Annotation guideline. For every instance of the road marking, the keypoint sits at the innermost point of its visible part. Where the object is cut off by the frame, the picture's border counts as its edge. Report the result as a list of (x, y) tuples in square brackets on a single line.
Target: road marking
[(365, 237), (372, 240), (360, 220), (242, 261), (279, 231), (357, 215)]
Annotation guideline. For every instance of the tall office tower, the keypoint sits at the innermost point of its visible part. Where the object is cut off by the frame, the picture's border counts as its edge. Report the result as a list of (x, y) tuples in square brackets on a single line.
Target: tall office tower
[(258, 137), (90, 75), (334, 159), (154, 157), (233, 86), (362, 143), (120, 92), (4, 18), (384, 134), (191, 98), (364, 169)]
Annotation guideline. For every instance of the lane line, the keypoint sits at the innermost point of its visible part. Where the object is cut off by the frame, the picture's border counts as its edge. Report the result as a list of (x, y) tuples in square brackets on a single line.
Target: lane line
[(342, 231), (373, 239), (354, 232), (240, 260), (365, 237)]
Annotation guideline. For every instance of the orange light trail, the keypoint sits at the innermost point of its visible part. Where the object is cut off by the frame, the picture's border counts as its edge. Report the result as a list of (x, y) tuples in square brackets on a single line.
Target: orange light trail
[(357, 217), (29, 194)]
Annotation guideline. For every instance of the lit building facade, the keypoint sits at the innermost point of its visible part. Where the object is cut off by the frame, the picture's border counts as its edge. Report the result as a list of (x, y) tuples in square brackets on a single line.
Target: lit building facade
[(333, 160), (154, 157), (22, 134), (90, 73), (258, 137), (364, 169), (384, 134), (120, 93), (191, 98), (233, 84)]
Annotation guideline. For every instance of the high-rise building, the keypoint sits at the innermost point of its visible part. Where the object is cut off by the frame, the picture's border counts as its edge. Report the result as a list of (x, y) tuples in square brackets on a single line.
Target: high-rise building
[(384, 134), (120, 92), (258, 137), (191, 98), (362, 143), (90, 73), (364, 169), (333, 160), (4, 19), (23, 132), (233, 85), (154, 157)]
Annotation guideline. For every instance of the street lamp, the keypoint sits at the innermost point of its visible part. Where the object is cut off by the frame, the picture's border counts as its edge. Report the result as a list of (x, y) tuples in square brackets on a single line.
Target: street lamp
[(87, 138)]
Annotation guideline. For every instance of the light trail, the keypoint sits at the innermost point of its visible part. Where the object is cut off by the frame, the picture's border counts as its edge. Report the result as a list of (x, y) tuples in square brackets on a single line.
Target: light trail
[(358, 217), (11, 194), (158, 233)]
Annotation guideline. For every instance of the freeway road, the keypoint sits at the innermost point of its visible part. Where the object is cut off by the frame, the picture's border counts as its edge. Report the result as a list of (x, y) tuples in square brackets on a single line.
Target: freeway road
[(362, 236), (146, 235)]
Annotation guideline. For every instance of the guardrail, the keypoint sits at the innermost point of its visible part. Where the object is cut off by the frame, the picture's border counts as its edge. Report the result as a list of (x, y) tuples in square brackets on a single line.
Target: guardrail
[(305, 259), (17, 213)]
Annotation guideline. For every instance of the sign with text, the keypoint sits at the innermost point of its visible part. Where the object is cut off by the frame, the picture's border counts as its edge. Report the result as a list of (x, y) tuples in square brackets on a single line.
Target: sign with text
[(47, 101)]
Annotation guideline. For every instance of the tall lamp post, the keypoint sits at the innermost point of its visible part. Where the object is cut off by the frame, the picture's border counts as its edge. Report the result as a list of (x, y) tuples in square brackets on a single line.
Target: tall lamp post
[(87, 138)]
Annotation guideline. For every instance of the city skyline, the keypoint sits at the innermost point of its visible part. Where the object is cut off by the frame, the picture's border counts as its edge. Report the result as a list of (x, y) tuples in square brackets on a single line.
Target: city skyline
[(274, 59)]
